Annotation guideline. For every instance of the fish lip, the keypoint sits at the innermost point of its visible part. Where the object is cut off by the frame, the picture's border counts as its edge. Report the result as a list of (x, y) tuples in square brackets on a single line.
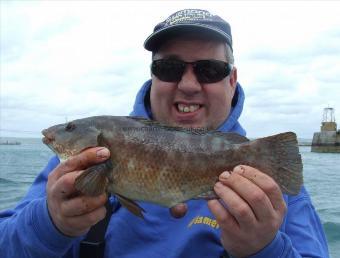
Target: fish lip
[(44, 132), (45, 140)]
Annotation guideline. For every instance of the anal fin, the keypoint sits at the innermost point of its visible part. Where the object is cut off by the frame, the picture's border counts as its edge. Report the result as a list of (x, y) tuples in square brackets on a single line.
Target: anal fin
[(210, 195), (132, 206)]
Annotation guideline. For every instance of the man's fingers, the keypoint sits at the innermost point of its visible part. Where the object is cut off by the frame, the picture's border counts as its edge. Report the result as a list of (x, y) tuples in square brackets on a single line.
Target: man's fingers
[(251, 193), (82, 205), (81, 161), (237, 206), (179, 210), (64, 187), (266, 183), (79, 225), (222, 215)]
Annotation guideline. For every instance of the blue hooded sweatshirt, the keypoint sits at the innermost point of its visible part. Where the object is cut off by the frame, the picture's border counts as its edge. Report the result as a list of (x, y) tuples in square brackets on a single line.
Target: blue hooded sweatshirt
[(27, 230)]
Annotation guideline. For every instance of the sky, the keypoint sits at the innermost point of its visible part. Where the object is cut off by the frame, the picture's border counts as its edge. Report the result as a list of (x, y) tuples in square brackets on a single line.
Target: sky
[(62, 60)]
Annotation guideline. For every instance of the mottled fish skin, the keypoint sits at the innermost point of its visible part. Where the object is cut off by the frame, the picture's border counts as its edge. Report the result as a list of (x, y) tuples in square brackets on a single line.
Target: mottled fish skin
[(167, 165)]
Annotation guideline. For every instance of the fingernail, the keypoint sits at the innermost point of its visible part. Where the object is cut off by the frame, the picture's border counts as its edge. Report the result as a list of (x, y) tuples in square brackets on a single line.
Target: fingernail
[(103, 153), (225, 175), (218, 185), (239, 169)]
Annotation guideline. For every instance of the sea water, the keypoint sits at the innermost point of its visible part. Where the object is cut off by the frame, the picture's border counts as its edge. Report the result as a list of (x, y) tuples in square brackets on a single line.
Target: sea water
[(20, 164)]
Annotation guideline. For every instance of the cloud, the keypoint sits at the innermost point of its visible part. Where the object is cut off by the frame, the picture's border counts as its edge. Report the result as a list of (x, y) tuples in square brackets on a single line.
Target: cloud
[(288, 86), (64, 61)]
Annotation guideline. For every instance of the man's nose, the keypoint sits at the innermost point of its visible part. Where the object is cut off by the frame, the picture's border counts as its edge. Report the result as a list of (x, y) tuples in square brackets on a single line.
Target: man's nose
[(189, 84)]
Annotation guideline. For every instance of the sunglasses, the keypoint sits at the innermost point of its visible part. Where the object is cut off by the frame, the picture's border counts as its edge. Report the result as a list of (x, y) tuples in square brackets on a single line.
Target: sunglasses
[(206, 71)]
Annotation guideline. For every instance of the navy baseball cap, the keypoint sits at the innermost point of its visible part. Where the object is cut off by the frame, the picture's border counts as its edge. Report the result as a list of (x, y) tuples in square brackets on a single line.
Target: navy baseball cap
[(186, 21)]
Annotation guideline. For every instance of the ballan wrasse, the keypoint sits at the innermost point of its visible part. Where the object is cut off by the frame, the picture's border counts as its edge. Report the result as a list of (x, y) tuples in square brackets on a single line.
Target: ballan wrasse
[(169, 165)]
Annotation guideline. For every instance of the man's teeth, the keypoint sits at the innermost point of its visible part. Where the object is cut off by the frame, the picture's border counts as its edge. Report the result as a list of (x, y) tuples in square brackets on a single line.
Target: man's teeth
[(187, 108)]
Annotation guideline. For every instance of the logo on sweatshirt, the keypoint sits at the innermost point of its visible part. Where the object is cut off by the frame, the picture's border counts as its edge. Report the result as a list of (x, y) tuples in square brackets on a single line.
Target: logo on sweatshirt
[(204, 220)]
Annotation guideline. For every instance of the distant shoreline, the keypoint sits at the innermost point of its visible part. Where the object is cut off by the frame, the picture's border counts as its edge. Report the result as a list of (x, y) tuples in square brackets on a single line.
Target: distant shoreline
[(305, 144)]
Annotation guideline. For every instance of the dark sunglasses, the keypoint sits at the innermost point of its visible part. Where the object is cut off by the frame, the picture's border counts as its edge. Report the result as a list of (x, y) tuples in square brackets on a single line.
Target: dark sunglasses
[(206, 71)]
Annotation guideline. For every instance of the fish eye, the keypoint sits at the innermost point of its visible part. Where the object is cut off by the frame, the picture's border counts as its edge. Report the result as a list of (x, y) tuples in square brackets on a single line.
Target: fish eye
[(70, 127)]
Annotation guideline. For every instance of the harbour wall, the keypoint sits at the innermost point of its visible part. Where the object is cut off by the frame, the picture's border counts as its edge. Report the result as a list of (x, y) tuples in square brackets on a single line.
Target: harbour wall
[(326, 141)]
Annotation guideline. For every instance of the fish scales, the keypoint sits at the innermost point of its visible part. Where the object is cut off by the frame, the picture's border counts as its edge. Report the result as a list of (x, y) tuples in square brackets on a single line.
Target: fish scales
[(161, 169), (160, 176), (168, 165)]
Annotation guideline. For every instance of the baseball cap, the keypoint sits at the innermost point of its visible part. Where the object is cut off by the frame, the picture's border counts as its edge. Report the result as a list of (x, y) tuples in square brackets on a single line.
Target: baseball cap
[(184, 21)]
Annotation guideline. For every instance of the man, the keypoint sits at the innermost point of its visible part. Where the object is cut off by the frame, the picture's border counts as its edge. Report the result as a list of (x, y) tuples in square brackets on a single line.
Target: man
[(194, 85)]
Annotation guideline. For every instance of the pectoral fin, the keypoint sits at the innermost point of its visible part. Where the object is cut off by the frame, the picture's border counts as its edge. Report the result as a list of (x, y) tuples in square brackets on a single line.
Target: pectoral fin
[(94, 180), (132, 206)]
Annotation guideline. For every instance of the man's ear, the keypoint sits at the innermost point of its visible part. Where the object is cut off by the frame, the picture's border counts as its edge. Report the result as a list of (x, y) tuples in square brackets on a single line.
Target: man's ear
[(233, 83), (233, 78)]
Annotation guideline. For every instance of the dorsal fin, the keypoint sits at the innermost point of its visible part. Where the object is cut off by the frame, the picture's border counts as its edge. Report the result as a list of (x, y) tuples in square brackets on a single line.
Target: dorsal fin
[(232, 138), (148, 122)]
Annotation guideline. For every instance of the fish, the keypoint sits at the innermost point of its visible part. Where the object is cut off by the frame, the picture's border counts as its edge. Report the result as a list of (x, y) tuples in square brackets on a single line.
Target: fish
[(168, 165)]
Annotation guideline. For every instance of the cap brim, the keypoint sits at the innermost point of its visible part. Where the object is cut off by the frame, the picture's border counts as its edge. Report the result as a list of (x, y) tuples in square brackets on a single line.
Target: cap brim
[(156, 39)]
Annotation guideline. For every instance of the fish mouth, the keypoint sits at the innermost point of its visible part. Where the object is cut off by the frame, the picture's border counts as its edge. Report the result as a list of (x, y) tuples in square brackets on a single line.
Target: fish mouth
[(48, 138), (63, 149)]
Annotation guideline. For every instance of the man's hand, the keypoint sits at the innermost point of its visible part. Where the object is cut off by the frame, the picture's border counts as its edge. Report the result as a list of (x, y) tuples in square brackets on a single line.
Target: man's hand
[(72, 213), (250, 211)]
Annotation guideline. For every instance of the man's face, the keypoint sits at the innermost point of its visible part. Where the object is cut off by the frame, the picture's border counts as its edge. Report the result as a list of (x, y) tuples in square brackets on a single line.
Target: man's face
[(208, 104)]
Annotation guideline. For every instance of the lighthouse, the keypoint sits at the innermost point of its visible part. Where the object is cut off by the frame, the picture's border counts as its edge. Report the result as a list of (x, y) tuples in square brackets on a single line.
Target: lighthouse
[(328, 139)]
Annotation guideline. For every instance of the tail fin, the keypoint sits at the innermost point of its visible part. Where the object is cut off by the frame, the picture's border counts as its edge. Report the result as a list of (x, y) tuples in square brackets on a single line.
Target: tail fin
[(279, 157), (93, 181)]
